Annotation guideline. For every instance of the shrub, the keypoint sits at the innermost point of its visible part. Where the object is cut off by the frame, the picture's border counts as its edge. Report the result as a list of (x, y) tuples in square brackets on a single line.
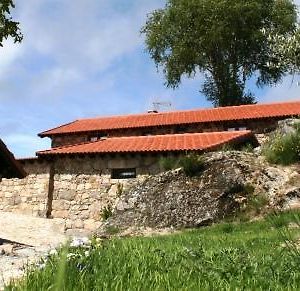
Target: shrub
[(239, 188), (254, 203), (168, 163), (192, 164), (106, 212), (120, 189), (283, 150), (227, 148), (248, 148), (257, 202)]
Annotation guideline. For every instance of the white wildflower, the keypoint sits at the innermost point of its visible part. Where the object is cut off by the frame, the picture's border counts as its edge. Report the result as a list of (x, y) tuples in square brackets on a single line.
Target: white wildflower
[(71, 256), (41, 266), (78, 242), (53, 252)]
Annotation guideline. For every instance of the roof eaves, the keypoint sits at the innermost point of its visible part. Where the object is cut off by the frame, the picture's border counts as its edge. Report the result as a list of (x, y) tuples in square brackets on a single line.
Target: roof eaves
[(47, 134)]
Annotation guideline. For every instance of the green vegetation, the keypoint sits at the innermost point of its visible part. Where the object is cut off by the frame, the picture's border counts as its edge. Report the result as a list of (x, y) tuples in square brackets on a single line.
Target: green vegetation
[(248, 148), (120, 189), (112, 230), (106, 212), (283, 150), (8, 27), (191, 164), (247, 256), (168, 163), (228, 42)]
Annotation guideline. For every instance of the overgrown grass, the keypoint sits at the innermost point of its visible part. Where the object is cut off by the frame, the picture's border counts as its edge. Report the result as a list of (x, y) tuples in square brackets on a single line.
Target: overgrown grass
[(168, 163), (191, 164), (248, 256), (283, 150)]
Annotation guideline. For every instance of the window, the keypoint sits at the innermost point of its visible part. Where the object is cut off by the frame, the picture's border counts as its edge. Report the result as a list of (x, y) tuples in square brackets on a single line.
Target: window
[(97, 136), (237, 128), (123, 173)]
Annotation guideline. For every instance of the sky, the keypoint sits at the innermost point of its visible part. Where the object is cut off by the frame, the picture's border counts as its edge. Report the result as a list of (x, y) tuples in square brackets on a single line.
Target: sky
[(87, 58)]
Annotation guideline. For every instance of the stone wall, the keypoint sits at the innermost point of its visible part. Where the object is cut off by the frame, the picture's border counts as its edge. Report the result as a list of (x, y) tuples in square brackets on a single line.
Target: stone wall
[(83, 187), (75, 189), (28, 195), (258, 126)]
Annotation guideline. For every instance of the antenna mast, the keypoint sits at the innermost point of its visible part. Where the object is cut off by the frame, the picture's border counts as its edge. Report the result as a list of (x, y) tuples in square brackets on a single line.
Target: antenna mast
[(157, 106)]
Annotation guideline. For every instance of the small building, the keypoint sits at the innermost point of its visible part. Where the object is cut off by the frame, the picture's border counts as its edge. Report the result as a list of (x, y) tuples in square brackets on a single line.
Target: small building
[(9, 166), (92, 160)]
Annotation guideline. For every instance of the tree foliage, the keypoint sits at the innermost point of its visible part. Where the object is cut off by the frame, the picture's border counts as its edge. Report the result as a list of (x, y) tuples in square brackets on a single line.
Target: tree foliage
[(227, 41), (8, 27)]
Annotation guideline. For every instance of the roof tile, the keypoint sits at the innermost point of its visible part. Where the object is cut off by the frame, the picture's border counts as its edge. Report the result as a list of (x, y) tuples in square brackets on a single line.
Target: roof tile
[(256, 111), (156, 143)]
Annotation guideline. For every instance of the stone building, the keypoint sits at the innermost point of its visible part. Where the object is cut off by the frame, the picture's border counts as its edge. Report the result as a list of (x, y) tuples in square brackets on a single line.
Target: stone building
[(92, 161), (258, 118)]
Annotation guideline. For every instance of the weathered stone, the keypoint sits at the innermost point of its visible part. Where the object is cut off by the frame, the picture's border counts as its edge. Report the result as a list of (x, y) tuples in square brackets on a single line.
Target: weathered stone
[(67, 195), (173, 199)]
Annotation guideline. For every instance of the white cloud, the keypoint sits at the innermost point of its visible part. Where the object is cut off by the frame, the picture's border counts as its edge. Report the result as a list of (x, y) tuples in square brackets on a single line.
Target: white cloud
[(9, 53), (67, 41), (84, 35)]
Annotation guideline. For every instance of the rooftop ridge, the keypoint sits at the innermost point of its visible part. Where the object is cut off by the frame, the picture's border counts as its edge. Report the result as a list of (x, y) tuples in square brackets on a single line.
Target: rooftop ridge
[(186, 110), (202, 115)]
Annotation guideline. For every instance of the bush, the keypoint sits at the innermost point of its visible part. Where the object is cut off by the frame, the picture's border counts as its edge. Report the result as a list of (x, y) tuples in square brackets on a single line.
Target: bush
[(106, 212), (248, 148), (257, 202), (239, 188), (192, 164), (120, 189), (283, 150), (254, 204), (227, 148), (168, 163)]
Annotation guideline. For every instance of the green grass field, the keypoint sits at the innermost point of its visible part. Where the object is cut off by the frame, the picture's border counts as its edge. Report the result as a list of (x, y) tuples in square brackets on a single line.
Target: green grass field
[(246, 256)]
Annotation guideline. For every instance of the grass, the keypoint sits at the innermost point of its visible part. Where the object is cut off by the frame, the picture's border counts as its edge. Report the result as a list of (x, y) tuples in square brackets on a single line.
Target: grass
[(192, 164), (246, 256), (283, 150)]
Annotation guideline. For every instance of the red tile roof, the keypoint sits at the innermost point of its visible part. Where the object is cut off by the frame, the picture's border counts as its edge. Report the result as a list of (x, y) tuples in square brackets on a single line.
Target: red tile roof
[(257, 111), (156, 143)]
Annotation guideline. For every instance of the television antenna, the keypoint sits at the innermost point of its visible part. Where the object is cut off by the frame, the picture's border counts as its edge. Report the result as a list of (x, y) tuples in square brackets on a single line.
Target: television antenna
[(157, 106)]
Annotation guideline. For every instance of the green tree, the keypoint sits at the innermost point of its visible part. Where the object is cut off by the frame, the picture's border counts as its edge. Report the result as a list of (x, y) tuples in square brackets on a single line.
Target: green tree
[(225, 40), (8, 27)]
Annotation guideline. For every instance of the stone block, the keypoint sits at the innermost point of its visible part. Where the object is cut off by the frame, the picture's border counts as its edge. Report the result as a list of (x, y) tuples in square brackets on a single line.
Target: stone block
[(68, 195), (60, 213), (91, 224), (60, 205), (78, 224)]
